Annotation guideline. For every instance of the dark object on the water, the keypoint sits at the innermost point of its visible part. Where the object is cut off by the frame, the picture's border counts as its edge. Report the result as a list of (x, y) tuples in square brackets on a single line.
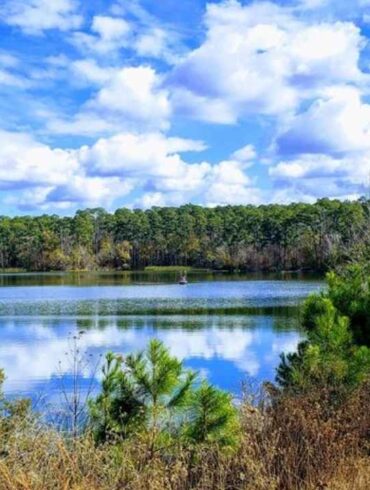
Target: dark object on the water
[(183, 280)]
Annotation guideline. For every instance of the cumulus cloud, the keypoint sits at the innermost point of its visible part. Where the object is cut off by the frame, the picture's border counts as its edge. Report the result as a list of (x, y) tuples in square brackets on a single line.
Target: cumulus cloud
[(112, 168), (151, 38), (135, 93), (262, 59), (151, 154), (156, 161), (319, 175), (261, 64), (338, 122), (128, 98), (25, 162), (325, 150), (130, 30), (153, 43), (45, 176), (37, 16), (229, 184), (245, 154), (90, 72), (108, 34)]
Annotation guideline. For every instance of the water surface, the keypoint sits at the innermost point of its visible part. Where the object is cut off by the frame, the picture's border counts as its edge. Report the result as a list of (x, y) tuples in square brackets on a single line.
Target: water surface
[(230, 328)]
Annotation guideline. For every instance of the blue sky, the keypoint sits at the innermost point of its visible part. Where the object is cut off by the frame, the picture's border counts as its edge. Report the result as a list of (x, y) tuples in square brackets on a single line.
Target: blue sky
[(143, 103)]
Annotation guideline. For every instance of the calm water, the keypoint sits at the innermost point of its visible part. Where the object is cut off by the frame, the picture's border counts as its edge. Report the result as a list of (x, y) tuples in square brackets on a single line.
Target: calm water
[(230, 328)]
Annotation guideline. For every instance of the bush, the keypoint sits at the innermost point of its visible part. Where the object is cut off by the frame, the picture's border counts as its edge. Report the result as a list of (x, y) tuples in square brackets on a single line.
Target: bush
[(349, 292)]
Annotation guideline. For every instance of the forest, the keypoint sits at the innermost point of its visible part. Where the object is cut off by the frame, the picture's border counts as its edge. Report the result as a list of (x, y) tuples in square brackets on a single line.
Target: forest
[(252, 238)]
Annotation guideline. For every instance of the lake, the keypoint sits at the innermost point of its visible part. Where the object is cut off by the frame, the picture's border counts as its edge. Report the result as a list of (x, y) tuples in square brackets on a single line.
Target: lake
[(231, 328)]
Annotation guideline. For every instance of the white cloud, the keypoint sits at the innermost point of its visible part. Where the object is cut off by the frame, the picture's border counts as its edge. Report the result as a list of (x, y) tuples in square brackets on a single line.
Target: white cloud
[(155, 42), (12, 80), (245, 154), (155, 161), (147, 156), (128, 99), (8, 74), (325, 150), (37, 16), (8, 60), (110, 28), (202, 107), (309, 177), (152, 43), (44, 176), (229, 184), (92, 191), (111, 168), (130, 29), (151, 199), (25, 162), (135, 93), (109, 34), (150, 39), (337, 122), (262, 59), (89, 71)]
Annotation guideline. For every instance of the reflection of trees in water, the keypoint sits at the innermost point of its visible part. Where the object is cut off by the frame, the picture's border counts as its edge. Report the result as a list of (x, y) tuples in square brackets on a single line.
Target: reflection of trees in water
[(216, 306), (278, 319)]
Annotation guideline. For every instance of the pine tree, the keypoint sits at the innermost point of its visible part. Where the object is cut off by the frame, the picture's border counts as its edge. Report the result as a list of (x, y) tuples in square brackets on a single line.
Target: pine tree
[(328, 359), (141, 392), (212, 417), (151, 392), (118, 410)]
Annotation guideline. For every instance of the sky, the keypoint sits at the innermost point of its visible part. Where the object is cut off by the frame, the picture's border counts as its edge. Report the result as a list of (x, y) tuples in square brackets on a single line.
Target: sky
[(141, 103)]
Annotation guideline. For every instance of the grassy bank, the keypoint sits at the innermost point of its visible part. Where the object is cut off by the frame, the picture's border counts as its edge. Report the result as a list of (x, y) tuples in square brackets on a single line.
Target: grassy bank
[(293, 445), (173, 268), (12, 270)]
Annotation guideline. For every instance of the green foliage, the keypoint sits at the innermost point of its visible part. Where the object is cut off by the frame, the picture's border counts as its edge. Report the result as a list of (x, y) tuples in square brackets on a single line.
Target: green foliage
[(117, 411), (273, 237), (315, 306), (336, 354), (328, 358), (14, 414), (140, 392), (349, 292), (212, 417), (151, 393)]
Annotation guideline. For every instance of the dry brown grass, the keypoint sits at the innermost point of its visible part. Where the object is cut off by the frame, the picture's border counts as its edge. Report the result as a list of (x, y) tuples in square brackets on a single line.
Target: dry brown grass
[(317, 438), (46, 461), (296, 443), (352, 475)]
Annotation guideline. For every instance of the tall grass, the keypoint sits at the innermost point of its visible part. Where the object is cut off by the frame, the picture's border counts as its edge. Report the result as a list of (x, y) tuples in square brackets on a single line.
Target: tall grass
[(286, 443)]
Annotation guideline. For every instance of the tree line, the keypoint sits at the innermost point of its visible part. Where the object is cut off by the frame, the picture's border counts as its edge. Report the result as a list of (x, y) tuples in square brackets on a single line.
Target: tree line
[(252, 238)]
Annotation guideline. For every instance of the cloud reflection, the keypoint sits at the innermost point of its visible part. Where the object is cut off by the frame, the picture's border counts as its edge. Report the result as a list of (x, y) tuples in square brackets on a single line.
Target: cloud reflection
[(31, 348)]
